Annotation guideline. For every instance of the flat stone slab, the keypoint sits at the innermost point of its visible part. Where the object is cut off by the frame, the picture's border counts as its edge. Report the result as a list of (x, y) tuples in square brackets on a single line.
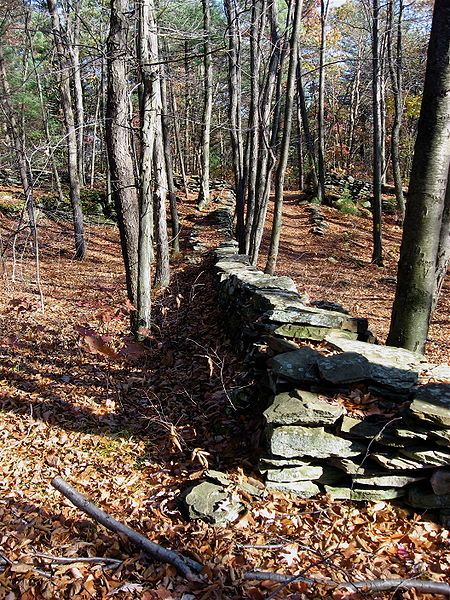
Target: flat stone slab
[(348, 367), (311, 332), (385, 481), (312, 315), (432, 458), (442, 437), (360, 495), (298, 366), (381, 355), (397, 463), (291, 474), (366, 430), (399, 381), (431, 403), (290, 441), (302, 408), (302, 489), (348, 466)]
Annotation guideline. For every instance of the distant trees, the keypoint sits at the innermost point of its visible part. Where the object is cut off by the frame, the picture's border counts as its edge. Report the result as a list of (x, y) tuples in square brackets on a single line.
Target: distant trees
[(425, 249)]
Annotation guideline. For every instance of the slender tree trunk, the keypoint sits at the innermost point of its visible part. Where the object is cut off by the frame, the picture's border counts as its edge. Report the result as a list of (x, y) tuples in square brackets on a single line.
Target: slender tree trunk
[(305, 124), (396, 76), (169, 168), (284, 154), (377, 254), (78, 88), (234, 86), (118, 139), (72, 150), (148, 56), (94, 136), (324, 8), (425, 242), (162, 271), (176, 128), (203, 197)]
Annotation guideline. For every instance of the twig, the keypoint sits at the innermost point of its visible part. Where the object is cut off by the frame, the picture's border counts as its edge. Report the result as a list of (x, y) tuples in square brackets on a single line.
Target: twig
[(374, 585), (66, 560), (186, 566)]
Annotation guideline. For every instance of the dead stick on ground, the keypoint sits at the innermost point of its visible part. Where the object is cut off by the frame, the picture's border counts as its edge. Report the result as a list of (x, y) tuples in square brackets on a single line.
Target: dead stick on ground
[(374, 585), (67, 560), (184, 565)]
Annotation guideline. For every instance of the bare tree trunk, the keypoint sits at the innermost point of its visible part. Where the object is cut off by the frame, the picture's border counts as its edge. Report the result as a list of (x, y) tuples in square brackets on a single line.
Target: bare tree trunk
[(148, 53), (234, 85), (72, 149), (203, 197), (395, 72), (176, 128), (284, 154), (169, 168), (162, 271), (305, 123), (78, 87), (94, 136), (377, 254), (118, 139), (324, 8), (425, 244)]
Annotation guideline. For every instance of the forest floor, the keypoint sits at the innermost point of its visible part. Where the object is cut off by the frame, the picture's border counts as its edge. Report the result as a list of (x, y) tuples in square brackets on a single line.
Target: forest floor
[(131, 427)]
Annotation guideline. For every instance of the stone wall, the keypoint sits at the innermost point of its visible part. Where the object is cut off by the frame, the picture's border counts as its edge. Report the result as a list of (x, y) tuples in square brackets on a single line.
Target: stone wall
[(355, 420)]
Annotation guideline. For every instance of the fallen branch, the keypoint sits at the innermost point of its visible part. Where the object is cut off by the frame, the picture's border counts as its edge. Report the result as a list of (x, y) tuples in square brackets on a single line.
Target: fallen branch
[(184, 565), (374, 585), (111, 563)]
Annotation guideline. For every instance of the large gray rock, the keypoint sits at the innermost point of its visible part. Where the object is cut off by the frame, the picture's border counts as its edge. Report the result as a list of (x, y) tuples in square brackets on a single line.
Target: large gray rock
[(431, 403), (290, 441), (298, 366), (303, 489), (429, 457), (302, 408), (212, 503), (348, 367), (392, 379), (367, 430)]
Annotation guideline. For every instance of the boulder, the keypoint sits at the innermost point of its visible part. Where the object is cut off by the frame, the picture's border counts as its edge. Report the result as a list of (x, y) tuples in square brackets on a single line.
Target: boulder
[(302, 408), (290, 441)]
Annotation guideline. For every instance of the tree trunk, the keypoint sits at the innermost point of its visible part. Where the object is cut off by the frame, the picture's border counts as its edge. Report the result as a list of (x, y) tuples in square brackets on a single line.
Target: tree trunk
[(377, 254), (284, 153), (424, 239), (118, 139), (305, 124), (395, 72), (203, 197), (78, 87), (72, 149), (175, 223), (324, 7)]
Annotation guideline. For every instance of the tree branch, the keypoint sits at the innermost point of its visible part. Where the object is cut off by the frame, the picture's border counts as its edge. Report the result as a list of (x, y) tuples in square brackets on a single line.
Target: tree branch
[(374, 585), (184, 565)]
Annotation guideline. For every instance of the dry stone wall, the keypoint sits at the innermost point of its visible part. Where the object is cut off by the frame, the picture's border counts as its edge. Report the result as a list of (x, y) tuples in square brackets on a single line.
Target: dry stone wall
[(315, 443)]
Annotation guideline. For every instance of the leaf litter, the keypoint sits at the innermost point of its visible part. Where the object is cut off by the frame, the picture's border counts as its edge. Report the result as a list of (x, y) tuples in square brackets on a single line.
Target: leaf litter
[(131, 427)]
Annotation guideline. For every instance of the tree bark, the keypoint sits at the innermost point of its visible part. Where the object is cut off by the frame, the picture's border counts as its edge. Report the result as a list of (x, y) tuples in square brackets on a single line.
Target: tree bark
[(324, 8), (377, 253), (203, 197), (69, 121), (284, 153), (423, 240), (118, 140)]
